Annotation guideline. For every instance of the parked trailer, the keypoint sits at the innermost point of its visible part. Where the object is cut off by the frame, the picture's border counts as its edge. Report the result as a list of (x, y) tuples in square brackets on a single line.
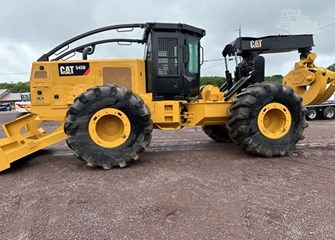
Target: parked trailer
[(325, 110)]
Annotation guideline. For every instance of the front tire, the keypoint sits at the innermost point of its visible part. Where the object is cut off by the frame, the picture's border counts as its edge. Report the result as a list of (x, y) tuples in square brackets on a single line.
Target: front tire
[(267, 119), (108, 126)]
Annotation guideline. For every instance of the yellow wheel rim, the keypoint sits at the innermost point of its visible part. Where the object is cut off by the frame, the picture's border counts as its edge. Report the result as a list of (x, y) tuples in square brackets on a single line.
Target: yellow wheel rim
[(109, 128), (274, 120)]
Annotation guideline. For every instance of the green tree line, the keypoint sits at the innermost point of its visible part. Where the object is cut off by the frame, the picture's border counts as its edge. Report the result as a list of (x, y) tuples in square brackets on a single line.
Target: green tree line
[(16, 87), (332, 67), (218, 81)]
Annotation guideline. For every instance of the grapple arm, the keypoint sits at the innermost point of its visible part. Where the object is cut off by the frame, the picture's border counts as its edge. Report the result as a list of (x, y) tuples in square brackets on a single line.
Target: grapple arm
[(314, 84)]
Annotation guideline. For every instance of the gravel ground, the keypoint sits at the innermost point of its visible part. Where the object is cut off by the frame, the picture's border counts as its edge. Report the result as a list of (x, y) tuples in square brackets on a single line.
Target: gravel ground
[(184, 187)]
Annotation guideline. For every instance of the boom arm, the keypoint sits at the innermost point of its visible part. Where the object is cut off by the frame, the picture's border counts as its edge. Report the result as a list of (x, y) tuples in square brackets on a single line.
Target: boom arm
[(246, 46)]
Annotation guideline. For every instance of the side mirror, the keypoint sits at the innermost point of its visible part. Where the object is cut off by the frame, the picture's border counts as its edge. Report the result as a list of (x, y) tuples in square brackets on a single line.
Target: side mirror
[(87, 51)]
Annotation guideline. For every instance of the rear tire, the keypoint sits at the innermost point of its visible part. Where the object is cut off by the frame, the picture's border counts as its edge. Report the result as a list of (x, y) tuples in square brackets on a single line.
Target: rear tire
[(312, 114), (218, 133), (329, 112), (108, 126), (267, 119)]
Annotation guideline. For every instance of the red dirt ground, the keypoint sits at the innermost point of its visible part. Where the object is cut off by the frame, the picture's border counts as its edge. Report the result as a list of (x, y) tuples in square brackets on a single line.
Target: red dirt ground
[(184, 187)]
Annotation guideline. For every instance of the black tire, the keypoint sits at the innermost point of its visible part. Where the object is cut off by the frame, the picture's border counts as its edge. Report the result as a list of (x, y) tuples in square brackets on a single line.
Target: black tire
[(312, 114), (249, 105), (79, 119), (329, 112), (218, 133)]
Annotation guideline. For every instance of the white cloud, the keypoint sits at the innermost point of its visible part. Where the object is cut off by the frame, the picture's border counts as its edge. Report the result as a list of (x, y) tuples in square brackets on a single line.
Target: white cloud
[(30, 28)]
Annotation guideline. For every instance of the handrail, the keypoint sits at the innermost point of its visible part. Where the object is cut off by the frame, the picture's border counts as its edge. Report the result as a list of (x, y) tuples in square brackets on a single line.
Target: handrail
[(45, 57), (93, 44)]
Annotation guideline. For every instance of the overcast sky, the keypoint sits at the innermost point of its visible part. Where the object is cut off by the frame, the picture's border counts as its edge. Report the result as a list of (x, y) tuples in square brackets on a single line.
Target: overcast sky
[(32, 27)]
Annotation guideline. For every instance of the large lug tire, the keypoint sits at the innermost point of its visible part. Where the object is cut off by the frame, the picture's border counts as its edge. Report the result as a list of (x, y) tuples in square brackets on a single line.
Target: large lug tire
[(218, 133), (312, 114), (267, 119), (329, 112), (108, 126)]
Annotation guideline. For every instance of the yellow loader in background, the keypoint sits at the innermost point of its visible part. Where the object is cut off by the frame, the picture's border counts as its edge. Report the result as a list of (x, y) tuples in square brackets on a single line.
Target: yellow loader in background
[(106, 109)]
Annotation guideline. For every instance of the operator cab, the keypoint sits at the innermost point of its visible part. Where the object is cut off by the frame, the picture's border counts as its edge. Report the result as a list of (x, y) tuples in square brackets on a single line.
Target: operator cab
[(172, 59)]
